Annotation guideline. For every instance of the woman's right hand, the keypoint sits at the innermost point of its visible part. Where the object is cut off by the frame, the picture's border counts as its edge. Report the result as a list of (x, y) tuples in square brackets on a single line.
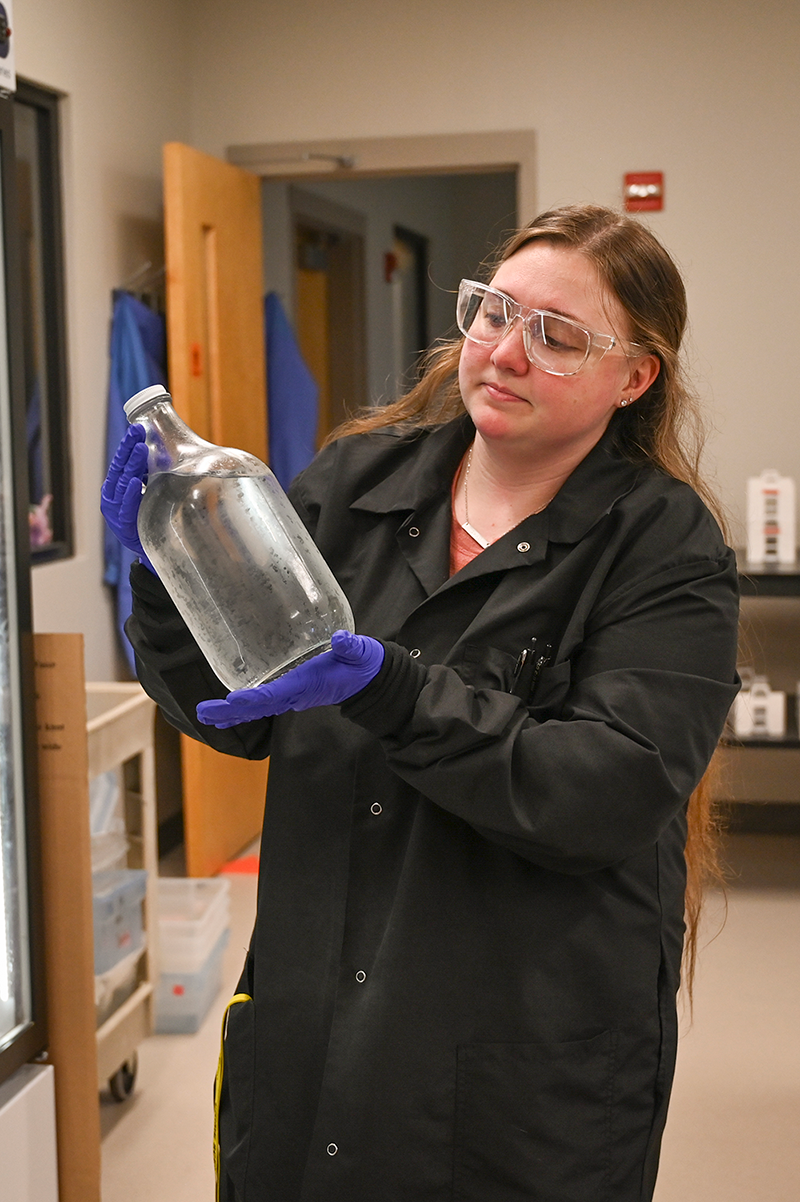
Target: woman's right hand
[(121, 494)]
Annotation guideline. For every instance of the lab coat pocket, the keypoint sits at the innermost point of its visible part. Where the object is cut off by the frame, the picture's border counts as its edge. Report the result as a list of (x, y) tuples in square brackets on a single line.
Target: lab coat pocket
[(486, 667), (234, 1094), (549, 691), (533, 1121)]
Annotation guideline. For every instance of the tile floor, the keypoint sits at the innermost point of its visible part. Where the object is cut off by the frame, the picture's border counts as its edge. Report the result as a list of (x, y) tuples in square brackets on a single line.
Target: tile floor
[(733, 1130)]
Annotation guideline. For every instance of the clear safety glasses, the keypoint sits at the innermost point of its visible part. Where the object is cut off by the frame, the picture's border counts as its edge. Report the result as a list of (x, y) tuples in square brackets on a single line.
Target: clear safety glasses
[(555, 344)]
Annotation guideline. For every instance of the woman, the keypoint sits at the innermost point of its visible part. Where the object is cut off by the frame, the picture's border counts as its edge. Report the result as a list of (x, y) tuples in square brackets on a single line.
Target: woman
[(462, 978)]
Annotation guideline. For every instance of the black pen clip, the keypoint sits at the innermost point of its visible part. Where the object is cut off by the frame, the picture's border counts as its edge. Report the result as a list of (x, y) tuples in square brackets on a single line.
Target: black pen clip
[(530, 662)]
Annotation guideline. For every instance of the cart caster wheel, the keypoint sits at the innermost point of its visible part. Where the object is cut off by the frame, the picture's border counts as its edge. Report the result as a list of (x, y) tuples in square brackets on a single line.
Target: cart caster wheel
[(121, 1084)]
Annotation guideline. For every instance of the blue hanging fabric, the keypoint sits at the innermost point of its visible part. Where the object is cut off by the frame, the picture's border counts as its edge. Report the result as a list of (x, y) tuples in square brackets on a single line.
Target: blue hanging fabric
[(292, 397), (138, 360)]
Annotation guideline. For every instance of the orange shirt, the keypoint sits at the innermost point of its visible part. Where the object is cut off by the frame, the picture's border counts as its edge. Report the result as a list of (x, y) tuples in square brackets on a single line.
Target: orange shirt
[(463, 547)]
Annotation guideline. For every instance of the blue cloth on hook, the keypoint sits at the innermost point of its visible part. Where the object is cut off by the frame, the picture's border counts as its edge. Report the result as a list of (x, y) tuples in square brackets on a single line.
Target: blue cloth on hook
[(138, 359), (292, 397)]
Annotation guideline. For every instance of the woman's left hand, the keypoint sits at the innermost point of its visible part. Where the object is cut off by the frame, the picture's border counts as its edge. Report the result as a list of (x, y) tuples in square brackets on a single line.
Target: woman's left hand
[(327, 679)]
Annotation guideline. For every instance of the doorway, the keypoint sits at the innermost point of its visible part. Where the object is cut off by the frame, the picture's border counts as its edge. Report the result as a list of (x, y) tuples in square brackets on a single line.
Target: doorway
[(417, 236), (328, 282), (406, 274), (473, 188)]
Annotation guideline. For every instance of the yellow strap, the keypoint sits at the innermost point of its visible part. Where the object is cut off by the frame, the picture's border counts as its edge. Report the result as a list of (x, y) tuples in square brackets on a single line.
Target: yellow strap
[(238, 997)]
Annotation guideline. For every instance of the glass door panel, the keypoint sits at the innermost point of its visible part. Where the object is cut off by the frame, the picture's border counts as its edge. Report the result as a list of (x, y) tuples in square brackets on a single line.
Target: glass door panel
[(15, 960)]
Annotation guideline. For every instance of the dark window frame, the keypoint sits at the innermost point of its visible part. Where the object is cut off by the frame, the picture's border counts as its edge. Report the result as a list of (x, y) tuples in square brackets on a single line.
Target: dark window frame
[(45, 102), (32, 1040)]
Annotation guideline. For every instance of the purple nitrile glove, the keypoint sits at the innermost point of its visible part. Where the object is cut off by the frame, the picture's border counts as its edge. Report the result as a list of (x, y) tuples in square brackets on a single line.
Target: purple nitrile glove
[(121, 494), (327, 679)]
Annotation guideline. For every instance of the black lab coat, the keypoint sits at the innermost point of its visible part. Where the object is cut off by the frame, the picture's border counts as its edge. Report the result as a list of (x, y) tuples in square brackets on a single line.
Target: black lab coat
[(470, 911)]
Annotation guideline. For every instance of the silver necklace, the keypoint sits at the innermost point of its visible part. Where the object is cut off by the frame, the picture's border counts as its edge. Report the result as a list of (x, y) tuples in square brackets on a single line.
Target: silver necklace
[(466, 525)]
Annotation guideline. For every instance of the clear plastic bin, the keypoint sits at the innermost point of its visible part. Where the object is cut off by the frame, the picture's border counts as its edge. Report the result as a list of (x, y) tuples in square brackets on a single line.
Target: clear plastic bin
[(107, 822), (183, 999), (118, 921), (114, 987), (192, 915)]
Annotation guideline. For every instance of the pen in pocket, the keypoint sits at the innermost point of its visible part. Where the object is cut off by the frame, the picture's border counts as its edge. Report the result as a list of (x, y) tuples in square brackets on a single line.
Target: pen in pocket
[(530, 662)]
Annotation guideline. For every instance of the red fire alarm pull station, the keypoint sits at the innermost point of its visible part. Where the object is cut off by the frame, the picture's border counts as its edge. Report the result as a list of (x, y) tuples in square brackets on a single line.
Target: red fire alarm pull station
[(644, 191)]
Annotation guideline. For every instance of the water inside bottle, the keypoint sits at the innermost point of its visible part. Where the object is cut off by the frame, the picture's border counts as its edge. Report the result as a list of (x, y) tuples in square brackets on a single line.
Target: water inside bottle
[(270, 607)]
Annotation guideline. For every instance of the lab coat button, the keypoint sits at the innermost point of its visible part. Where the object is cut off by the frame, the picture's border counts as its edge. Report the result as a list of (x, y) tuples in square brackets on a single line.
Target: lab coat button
[(413, 532), (416, 653), (523, 547), (376, 808), (361, 976), (332, 1149)]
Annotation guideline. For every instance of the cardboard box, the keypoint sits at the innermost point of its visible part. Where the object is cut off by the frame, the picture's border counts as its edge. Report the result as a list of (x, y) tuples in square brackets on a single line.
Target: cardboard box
[(67, 886)]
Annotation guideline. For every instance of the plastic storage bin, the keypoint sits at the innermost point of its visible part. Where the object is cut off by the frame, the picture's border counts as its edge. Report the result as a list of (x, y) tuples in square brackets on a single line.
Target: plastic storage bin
[(183, 999), (193, 925), (118, 921), (107, 821), (114, 987)]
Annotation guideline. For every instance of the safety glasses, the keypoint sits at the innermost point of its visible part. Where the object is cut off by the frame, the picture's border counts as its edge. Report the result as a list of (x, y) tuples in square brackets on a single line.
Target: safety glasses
[(553, 343)]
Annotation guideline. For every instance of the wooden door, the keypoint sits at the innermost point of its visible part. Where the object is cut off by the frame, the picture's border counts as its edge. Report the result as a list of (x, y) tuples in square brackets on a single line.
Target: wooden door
[(217, 377)]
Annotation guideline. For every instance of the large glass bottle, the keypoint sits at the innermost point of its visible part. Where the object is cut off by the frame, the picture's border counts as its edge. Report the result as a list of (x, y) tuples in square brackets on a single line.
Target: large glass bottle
[(232, 552)]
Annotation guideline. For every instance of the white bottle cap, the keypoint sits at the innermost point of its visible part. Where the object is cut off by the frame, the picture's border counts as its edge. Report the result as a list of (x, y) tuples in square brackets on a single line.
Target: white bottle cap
[(143, 398)]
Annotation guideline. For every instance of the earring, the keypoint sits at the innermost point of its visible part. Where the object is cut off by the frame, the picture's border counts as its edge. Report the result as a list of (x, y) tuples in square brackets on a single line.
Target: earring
[(625, 402)]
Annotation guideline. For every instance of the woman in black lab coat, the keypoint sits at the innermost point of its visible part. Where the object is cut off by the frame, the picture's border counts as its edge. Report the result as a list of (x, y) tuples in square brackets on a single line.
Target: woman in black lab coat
[(462, 978)]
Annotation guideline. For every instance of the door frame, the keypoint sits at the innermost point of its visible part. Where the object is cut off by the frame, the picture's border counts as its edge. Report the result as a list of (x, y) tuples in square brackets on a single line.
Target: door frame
[(347, 342), (424, 154)]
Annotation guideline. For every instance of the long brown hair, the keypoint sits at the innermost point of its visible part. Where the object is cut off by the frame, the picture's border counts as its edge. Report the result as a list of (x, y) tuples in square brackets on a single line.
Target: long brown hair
[(664, 427)]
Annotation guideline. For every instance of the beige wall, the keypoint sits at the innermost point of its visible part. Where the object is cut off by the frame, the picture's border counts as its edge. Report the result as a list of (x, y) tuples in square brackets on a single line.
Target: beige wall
[(706, 90), (124, 70)]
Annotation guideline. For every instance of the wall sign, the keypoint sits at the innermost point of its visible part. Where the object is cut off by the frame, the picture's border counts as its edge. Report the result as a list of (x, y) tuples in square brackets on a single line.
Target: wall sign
[(643, 191)]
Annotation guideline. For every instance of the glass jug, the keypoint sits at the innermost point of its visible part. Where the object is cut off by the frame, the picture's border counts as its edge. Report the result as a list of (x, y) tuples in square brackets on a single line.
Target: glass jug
[(232, 552)]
